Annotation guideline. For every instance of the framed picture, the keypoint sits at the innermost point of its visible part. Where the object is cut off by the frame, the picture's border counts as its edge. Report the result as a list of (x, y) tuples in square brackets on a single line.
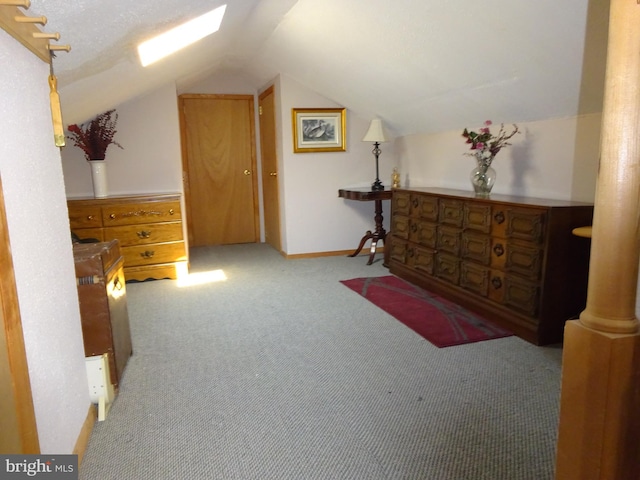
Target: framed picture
[(319, 130)]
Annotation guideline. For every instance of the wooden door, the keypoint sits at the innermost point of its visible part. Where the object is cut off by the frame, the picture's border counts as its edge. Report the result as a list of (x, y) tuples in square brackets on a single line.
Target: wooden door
[(269, 169), (219, 163), (18, 432)]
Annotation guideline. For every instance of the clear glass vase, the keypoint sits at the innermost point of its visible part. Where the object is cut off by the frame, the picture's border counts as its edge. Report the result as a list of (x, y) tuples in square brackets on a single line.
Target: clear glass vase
[(483, 177)]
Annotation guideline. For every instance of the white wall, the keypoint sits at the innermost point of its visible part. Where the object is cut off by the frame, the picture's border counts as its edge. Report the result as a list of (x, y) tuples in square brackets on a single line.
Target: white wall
[(316, 219), (556, 158), (38, 225), (150, 160)]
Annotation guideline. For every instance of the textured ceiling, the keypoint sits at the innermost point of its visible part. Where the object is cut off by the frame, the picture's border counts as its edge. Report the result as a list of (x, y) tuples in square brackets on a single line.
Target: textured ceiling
[(421, 65)]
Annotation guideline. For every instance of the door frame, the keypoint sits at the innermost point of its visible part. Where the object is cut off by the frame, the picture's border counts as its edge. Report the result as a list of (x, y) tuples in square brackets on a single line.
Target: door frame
[(270, 91), (17, 407)]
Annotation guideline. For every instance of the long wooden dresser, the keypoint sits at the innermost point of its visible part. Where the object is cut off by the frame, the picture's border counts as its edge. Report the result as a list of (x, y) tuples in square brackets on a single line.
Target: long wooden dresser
[(514, 260), (149, 228)]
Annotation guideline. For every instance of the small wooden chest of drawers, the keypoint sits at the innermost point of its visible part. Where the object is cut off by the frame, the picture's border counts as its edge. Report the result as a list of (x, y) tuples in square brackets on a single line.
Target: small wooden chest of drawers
[(149, 228), (512, 259)]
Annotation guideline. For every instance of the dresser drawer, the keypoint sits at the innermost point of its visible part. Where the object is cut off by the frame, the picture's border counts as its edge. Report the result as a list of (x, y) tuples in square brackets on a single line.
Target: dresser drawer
[(85, 216), (425, 207), (422, 259), (496, 286), (527, 225), (135, 213), (401, 203), (424, 233), (449, 240), (447, 267), (476, 247), (521, 295), (524, 261), (400, 226), (399, 250), (498, 252), (475, 278), (154, 253), (477, 216), (146, 233), (451, 212)]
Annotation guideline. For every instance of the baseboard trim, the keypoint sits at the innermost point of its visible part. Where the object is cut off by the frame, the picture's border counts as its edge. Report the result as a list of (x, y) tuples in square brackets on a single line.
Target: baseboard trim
[(318, 254), (365, 252), (85, 433)]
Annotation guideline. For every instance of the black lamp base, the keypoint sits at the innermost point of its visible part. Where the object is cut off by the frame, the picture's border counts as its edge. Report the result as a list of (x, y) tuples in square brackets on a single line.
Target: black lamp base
[(377, 186)]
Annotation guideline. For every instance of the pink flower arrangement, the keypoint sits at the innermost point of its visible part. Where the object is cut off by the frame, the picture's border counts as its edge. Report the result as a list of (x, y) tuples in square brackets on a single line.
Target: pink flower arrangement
[(485, 144), (94, 138)]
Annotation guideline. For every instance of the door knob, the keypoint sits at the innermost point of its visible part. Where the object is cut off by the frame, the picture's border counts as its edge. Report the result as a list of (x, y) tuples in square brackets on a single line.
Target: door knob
[(247, 172), (274, 174)]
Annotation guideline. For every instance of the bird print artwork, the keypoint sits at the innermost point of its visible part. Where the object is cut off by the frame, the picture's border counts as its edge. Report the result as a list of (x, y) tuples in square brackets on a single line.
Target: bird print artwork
[(317, 130)]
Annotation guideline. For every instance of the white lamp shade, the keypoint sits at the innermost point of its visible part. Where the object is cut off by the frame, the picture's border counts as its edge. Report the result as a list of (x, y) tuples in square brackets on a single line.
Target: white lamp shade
[(376, 132)]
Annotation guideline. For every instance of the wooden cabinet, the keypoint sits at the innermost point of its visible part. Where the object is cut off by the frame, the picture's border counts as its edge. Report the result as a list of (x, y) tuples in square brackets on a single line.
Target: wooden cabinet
[(149, 228), (512, 259), (103, 304)]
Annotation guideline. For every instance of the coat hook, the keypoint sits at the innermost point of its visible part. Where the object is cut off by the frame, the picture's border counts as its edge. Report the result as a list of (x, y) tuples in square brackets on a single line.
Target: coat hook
[(50, 36), (66, 48), (16, 3), (40, 20)]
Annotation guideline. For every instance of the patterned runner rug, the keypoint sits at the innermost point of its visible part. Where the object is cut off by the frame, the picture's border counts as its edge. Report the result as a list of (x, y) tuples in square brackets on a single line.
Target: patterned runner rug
[(437, 319)]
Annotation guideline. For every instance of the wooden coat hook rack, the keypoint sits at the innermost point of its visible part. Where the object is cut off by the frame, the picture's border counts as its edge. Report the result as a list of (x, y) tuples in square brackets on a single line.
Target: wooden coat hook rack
[(24, 29)]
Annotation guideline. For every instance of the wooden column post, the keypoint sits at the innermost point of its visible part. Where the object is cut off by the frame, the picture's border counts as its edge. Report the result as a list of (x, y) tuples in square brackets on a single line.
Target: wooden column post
[(599, 431)]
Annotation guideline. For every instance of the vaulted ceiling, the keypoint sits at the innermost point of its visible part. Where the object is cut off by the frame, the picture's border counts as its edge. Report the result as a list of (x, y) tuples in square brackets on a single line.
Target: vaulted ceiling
[(421, 65)]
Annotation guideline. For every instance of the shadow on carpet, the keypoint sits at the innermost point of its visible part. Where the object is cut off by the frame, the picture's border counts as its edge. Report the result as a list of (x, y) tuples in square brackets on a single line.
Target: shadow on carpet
[(437, 319)]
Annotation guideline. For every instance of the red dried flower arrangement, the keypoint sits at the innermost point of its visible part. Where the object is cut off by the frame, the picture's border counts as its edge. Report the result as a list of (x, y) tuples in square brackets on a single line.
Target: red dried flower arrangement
[(94, 137)]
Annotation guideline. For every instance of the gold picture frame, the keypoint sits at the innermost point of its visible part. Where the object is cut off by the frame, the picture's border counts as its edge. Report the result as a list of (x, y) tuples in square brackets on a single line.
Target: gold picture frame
[(319, 130)]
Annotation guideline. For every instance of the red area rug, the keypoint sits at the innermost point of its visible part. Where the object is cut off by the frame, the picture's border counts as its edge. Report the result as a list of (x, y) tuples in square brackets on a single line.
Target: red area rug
[(437, 319)]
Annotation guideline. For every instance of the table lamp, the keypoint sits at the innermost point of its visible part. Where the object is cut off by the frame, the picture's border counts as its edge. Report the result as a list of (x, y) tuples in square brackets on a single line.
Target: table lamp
[(377, 135)]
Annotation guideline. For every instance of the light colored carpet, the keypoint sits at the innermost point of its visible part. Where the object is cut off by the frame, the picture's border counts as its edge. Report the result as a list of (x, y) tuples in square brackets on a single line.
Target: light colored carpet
[(281, 372)]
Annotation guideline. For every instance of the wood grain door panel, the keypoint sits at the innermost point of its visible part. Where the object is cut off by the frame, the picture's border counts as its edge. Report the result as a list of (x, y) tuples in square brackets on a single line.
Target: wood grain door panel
[(219, 161)]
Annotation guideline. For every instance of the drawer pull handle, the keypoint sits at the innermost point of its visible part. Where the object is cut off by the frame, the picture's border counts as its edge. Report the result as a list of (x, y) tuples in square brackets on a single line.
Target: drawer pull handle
[(148, 254), (117, 285), (410, 252), (496, 282), (415, 203), (143, 234), (90, 217), (498, 249), (414, 228), (112, 216), (499, 217), (171, 211)]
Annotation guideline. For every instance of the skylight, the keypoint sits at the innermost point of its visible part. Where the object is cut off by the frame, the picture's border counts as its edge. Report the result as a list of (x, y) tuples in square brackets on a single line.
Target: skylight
[(180, 36)]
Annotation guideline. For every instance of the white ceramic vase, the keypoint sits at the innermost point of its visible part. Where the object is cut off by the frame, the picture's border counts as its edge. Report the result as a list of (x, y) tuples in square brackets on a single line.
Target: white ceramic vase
[(99, 177)]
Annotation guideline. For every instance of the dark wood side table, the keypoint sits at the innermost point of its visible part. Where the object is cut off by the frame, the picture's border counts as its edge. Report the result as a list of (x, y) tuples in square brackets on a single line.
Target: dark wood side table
[(365, 194)]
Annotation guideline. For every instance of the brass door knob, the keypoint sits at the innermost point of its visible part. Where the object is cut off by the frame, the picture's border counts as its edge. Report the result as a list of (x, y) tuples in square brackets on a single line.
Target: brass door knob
[(273, 174), (247, 172)]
